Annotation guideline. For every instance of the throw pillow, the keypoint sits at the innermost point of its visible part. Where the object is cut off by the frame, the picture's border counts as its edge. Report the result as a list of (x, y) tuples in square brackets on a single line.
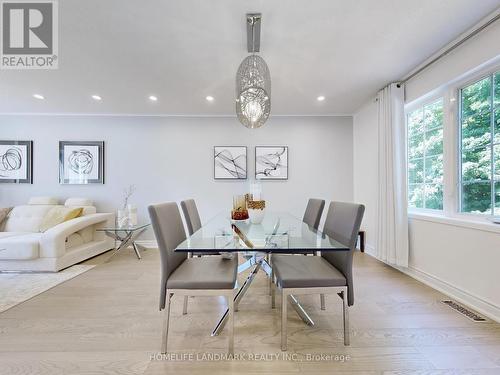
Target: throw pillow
[(58, 215), (4, 213)]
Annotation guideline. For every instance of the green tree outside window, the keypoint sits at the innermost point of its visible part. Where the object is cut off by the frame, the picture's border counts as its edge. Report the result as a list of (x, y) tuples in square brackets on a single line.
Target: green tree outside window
[(480, 146), (425, 156)]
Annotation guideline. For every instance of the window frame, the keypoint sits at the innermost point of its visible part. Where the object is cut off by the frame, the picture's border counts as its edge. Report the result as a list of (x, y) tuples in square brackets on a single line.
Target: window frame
[(471, 79), (411, 107), (450, 91)]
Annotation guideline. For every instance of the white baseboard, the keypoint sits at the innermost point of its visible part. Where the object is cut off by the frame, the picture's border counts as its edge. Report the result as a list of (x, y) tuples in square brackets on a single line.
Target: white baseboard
[(148, 244), (370, 250), (481, 306)]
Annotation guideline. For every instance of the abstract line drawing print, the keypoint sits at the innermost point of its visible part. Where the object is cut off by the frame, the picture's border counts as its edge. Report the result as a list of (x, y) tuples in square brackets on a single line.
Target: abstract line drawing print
[(10, 161), (271, 163), (81, 162), (16, 162), (230, 162)]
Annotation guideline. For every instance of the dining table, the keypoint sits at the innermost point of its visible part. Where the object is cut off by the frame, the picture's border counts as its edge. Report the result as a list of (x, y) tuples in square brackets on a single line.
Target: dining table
[(277, 233)]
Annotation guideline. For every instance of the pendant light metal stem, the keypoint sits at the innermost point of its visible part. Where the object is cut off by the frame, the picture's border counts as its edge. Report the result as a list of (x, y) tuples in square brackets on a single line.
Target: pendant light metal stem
[(253, 32), (253, 81)]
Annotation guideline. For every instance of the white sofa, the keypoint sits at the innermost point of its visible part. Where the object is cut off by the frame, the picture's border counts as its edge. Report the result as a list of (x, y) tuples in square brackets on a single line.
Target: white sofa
[(24, 248)]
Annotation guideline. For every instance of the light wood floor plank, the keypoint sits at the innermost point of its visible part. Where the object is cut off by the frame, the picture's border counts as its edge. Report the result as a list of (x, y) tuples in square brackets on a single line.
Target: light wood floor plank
[(106, 321)]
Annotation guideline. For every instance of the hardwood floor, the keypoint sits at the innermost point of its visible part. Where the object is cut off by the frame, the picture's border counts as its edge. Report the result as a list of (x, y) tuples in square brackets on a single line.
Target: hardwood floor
[(106, 321)]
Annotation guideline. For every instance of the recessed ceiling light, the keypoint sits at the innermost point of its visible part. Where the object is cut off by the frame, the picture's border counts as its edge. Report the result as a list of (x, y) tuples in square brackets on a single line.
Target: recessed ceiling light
[(38, 96), (320, 98), (210, 98), (96, 97), (153, 98)]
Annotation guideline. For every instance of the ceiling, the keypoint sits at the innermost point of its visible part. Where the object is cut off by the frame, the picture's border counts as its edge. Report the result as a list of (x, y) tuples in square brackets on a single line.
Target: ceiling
[(183, 50)]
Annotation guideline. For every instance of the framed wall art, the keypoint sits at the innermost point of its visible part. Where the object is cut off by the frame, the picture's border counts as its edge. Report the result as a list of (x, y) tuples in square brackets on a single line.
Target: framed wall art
[(81, 162), (271, 162), (230, 162), (16, 162)]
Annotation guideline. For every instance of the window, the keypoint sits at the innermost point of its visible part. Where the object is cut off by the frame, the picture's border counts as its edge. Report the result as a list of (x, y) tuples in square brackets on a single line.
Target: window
[(425, 156), (480, 146)]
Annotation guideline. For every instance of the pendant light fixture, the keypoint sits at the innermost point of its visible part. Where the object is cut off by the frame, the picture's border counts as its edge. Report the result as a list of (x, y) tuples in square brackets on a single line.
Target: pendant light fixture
[(253, 81)]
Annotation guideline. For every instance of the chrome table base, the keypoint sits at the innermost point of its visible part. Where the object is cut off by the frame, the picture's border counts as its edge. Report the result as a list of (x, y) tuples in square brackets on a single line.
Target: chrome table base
[(258, 261), (125, 241)]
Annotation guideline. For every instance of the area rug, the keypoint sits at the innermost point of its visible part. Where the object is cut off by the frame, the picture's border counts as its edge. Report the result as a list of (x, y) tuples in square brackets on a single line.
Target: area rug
[(19, 287)]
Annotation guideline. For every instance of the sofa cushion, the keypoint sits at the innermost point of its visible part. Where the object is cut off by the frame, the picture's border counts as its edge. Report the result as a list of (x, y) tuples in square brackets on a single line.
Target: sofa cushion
[(20, 246), (86, 204), (43, 200), (58, 215), (12, 234), (87, 210), (26, 218), (78, 202)]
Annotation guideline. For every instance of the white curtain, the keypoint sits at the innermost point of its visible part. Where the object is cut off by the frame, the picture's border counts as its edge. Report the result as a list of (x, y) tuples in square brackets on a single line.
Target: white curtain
[(392, 239)]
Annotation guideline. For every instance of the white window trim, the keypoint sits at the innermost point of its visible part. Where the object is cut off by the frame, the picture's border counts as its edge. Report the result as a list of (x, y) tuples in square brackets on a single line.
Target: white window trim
[(451, 152), (455, 90), (471, 223)]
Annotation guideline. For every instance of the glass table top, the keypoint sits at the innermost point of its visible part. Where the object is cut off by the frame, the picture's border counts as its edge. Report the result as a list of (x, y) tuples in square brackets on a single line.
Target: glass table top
[(278, 232), (125, 228)]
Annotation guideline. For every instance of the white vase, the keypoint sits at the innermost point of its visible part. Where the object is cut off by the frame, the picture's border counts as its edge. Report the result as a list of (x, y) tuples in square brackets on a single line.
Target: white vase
[(122, 218), (132, 215), (256, 215)]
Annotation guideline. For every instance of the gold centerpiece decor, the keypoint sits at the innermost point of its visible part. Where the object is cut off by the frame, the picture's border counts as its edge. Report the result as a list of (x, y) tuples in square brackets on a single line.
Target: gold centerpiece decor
[(239, 211), (256, 210)]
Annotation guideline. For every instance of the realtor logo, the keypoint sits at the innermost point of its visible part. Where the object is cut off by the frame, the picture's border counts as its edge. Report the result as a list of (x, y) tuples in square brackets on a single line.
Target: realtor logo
[(29, 34)]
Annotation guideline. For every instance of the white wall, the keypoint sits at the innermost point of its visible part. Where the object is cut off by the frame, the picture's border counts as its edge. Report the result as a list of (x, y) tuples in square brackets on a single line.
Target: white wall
[(460, 261), (170, 159), (365, 136), (477, 51)]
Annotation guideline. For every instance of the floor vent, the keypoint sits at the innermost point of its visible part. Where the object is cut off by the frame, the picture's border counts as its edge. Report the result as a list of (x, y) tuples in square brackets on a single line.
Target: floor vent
[(464, 311)]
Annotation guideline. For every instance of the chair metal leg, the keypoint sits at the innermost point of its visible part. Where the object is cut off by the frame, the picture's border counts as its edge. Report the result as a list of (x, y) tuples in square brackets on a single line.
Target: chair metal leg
[(185, 306), (284, 301), (271, 282), (273, 295), (322, 301), (165, 323), (230, 304), (346, 318), (271, 277)]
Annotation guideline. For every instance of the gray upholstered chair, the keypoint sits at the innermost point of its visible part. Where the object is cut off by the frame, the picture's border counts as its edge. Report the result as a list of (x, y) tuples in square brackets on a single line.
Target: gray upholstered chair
[(193, 221), (191, 215), (206, 276), (314, 209), (312, 217), (330, 273)]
